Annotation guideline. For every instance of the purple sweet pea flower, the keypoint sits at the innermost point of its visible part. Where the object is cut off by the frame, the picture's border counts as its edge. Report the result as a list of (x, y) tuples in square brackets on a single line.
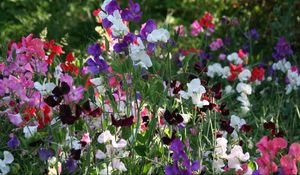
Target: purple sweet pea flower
[(252, 34), (133, 13), (119, 47), (111, 7), (256, 172), (71, 165), (95, 50), (45, 154), (96, 65), (180, 156), (13, 142), (282, 49), (147, 28), (106, 23)]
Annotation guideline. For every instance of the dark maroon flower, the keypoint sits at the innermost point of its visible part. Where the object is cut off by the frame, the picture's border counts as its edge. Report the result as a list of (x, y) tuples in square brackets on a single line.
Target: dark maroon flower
[(217, 90), (246, 128), (66, 116), (173, 118), (86, 108), (225, 125), (125, 121), (58, 92), (75, 153)]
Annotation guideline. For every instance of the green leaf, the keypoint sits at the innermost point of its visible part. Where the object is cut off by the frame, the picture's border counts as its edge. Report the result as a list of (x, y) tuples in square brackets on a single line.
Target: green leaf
[(140, 150)]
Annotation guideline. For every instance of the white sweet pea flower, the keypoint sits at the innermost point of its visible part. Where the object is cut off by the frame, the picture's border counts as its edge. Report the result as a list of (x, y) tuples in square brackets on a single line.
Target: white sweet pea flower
[(44, 88), (221, 147), (138, 54), (158, 35), (73, 142), (106, 171), (121, 144), (117, 164), (244, 100), (29, 131), (217, 70), (237, 122), (186, 118), (8, 159), (100, 155), (294, 81), (102, 15), (236, 155), (234, 57), (118, 27), (105, 137), (244, 88), (282, 65), (214, 69), (195, 91), (229, 89), (244, 75), (218, 165), (99, 83)]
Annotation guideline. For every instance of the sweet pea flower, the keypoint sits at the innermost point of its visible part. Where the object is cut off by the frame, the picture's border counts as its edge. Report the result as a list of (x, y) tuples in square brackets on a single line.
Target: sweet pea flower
[(138, 54), (29, 131), (244, 88), (157, 35), (118, 27), (195, 91), (244, 75), (234, 57), (8, 159)]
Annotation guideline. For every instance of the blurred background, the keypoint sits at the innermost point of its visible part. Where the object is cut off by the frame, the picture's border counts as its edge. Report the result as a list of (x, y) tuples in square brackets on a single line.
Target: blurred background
[(71, 21)]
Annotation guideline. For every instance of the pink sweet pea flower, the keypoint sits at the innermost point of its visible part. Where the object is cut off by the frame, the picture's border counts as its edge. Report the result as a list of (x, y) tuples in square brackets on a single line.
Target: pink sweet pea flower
[(196, 28), (295, 151), (288, 164), (86, 138)]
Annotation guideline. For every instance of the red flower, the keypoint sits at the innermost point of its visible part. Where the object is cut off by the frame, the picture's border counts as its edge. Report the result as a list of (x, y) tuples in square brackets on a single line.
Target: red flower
[(45, 119), (53, 47), (257, 74), (235, 70), (70, 57), (206, 20)]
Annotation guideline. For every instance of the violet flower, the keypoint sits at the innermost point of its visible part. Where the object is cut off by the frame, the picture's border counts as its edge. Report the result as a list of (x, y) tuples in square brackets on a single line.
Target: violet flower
[(97, 65), (282, 49), (13, 142), (111, 7), (180, 158), (133, 13), (252, 34), (147, 28), (95, 50), (71, 165), (45, 154)]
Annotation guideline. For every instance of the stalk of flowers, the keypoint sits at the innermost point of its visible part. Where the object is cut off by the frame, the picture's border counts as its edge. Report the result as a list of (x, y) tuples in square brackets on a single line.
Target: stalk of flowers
[(115, 150), (236, 159), (181, 163)]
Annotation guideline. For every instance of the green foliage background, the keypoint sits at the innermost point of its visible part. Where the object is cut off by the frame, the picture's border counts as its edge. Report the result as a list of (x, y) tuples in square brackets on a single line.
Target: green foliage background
[(72, 20)]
